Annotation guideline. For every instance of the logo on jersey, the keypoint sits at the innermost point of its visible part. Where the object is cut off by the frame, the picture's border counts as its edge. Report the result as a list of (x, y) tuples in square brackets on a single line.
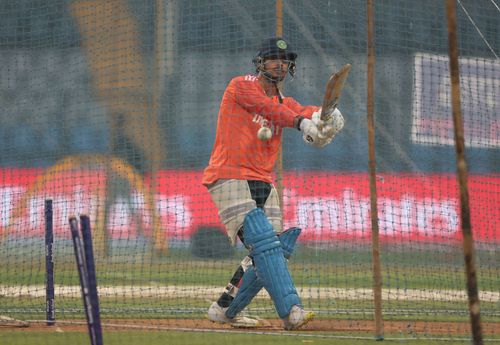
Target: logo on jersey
[(250, 77), (262, 122)]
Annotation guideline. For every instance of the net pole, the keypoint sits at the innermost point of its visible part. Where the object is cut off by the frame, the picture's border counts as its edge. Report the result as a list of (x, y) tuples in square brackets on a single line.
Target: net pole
[(468, 242), (279, 17), (377, 277), (159, 238), (279, 161)]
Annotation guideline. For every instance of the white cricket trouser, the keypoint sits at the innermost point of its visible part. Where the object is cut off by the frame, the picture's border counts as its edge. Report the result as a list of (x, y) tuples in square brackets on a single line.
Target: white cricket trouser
[(234, 200)]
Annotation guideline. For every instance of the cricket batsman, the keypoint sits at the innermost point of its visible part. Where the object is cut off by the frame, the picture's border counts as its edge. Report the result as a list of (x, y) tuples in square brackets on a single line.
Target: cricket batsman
[(252, 116)]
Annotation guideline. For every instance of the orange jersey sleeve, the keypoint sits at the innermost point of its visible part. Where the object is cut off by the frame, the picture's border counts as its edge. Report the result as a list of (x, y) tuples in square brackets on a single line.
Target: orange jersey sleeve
[(304, 110), (237, 152)]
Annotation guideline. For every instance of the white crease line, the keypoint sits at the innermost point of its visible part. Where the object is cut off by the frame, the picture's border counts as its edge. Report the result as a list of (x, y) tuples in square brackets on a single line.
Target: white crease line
[(210, 292)]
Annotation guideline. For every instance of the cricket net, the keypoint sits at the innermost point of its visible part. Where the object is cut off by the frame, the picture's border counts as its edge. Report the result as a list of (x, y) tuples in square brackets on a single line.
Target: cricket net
[(109, 109)]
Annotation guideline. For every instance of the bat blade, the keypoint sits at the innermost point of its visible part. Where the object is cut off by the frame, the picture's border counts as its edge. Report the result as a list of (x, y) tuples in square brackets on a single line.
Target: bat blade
[(334, 90)]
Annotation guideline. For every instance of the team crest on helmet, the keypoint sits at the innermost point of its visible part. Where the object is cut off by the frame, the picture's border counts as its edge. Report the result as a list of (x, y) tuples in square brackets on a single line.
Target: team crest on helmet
[(281, 44)]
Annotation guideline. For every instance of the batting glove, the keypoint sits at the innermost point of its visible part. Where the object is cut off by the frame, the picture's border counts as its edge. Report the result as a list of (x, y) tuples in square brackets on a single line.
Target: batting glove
[(311, 134), (331, 126)]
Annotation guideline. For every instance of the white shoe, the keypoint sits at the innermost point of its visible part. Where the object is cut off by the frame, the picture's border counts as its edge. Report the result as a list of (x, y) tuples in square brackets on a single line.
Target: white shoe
[(297, 318), (218, 314)]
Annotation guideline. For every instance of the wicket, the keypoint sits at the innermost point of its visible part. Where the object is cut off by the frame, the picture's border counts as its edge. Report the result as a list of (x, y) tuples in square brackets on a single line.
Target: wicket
[(86, 271), (50, 311)]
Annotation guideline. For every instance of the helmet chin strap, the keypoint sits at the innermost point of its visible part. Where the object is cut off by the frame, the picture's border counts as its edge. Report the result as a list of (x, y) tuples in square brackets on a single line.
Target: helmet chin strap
[(260, 68), (260, 63), (275, 82), (273, 79), (280, 99), (269, 77)]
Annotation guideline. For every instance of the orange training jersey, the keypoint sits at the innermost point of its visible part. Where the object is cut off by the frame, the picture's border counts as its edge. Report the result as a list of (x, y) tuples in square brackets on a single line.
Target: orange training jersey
[(237, 152)]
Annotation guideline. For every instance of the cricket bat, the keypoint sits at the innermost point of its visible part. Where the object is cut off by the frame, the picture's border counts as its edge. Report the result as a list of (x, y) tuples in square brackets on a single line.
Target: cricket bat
[(333, 91)]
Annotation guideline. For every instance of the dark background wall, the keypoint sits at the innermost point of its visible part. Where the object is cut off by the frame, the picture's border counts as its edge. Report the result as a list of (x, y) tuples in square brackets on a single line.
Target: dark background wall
[(49, 108)]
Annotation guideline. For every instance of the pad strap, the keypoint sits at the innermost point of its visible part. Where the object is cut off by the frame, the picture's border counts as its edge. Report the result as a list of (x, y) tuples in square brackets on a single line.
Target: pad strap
[(288, 238)]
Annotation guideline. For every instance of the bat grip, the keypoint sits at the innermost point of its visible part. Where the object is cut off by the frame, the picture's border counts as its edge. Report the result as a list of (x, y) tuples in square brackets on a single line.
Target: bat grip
[(325, 117)]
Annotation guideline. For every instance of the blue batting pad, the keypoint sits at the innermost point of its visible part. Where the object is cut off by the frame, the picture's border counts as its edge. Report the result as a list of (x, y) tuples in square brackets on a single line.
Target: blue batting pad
[(250, 284), (270, 264)]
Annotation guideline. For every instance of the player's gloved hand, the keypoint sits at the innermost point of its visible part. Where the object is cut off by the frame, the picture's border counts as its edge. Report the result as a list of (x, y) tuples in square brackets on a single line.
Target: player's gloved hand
[(310, 134), (331, 126), (309, 131)]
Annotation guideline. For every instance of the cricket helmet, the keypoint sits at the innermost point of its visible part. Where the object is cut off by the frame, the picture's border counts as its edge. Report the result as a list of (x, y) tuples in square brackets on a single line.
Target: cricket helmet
[(275, 47)]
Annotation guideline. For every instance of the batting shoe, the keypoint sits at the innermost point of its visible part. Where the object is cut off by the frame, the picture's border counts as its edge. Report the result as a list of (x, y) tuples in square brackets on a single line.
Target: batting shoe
[(297, 318), (216, 313)]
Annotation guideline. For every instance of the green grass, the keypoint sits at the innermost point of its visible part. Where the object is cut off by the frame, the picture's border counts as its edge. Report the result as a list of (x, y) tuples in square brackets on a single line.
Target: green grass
[(203, 273), (163, 308), (348, 268), (203, 338), (341, 268)]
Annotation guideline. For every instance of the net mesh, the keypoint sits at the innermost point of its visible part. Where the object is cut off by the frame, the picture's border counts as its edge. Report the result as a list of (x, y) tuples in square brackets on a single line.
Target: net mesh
[(110, 108)]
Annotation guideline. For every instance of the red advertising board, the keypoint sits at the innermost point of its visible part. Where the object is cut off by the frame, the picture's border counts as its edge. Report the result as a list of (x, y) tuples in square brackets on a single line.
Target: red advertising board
[(326, 205)]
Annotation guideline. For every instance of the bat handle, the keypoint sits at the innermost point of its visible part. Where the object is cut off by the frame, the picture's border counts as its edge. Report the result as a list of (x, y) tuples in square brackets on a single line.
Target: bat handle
[(327, 116)]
